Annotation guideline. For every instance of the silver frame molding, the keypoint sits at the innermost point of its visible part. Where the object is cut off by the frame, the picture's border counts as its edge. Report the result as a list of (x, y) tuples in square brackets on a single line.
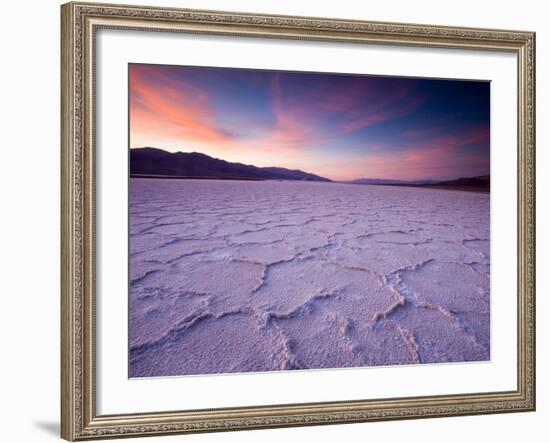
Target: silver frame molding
[(79, 22)]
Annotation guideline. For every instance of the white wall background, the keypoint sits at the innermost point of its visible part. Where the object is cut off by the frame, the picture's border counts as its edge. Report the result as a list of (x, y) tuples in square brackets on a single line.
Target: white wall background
[(29, 223)]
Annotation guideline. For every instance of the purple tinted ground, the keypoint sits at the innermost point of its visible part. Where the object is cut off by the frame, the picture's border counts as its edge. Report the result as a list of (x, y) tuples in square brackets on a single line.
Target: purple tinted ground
[(231, 276)]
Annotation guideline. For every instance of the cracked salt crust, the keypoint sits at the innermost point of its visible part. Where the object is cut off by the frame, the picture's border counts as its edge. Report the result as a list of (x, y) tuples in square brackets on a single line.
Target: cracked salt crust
[(230, 276)]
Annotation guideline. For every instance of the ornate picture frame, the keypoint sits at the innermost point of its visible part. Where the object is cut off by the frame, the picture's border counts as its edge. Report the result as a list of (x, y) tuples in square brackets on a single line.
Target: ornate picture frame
[(80, 23)]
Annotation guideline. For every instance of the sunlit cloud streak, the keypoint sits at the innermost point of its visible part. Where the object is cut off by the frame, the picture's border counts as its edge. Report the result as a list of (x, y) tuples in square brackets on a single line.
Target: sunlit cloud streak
[(429, 154), (173, 109)]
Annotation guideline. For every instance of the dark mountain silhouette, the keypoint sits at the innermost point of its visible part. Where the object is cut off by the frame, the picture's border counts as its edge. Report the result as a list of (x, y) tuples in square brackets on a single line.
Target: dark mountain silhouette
[(481, 183), (154, 162)]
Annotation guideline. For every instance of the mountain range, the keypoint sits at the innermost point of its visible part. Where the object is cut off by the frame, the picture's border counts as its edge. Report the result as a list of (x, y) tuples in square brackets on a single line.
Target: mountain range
[(479, 183), (154, 162)]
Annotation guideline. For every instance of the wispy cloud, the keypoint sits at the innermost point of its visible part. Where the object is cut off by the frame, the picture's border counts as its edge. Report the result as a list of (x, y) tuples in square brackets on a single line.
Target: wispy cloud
[(291, 122), (429, 154), (318, 112), (363, 104), (174, 110)]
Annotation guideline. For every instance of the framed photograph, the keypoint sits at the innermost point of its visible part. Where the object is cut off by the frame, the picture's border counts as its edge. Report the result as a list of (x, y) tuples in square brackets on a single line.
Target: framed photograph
[(281, 221)]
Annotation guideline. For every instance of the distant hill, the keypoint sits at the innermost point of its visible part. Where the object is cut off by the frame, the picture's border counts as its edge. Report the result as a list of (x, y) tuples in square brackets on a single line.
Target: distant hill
[(481, 183), (382, 181), (154, 162)]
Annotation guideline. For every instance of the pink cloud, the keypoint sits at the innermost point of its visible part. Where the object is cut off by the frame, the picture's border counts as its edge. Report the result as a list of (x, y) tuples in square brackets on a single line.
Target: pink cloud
[(178, 111), (437, 157), (367, 104), (290, 127), (311, 115)]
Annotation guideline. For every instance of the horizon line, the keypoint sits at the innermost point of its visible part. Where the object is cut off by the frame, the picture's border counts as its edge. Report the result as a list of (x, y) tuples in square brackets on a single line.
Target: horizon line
[(313, 173)]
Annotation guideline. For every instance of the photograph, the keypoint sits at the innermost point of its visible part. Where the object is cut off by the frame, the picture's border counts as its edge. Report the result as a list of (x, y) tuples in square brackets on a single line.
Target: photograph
[(285, 220), (271, 219)]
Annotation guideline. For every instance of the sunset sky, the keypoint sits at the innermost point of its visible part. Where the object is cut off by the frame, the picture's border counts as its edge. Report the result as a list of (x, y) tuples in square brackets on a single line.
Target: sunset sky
[(338, 126)]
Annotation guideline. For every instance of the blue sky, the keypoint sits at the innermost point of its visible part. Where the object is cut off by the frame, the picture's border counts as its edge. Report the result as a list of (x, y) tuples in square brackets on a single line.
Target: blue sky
[(339, 126)]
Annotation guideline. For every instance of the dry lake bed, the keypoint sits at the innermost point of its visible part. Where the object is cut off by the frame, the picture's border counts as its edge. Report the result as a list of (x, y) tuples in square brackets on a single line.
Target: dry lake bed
[(246, 276)]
